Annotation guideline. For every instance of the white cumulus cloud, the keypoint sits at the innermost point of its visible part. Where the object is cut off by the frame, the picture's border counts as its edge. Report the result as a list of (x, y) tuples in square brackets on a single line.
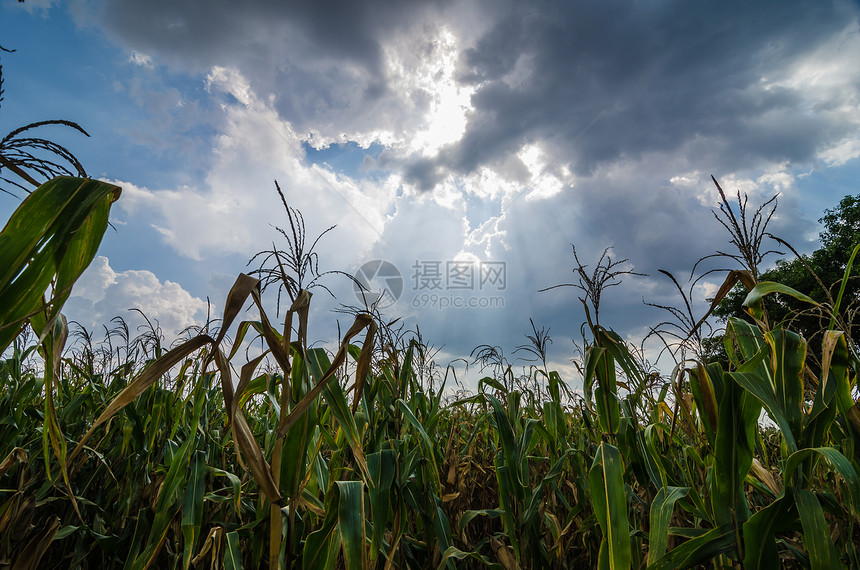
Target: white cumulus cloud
[(103, 293)]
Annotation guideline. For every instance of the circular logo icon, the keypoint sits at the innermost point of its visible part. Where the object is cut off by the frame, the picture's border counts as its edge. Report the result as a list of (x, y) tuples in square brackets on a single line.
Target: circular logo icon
[(379, 282)]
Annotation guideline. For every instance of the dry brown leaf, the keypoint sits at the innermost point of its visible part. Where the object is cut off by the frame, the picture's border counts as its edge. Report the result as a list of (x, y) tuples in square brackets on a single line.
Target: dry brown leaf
[(38, 545), (828, 345), (734, 276), (16, 454), (765, 476), (242, 287), (254, 459), (504, 554)]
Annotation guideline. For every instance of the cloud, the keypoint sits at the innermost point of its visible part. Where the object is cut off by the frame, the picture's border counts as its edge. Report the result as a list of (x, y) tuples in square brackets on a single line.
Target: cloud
[(141, 59), (510, 131), (483, 216), (451, 88), (599, 83), (339, 54), (103, 293), (37, 6), (234, 208)]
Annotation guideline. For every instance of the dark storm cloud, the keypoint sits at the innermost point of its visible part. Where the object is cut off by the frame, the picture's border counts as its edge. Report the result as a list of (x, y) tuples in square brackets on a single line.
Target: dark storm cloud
[(591, 82), (321, 60), (423, 173), (211, 32), (604, 80)]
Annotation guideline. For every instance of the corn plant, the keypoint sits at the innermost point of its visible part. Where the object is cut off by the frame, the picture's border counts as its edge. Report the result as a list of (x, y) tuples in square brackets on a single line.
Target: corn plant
[(192, 455)]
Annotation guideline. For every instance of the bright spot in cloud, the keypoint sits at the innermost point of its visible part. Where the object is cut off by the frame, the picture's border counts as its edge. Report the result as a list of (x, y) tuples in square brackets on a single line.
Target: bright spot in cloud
[(445, 120), (544, 183), (230, 81)]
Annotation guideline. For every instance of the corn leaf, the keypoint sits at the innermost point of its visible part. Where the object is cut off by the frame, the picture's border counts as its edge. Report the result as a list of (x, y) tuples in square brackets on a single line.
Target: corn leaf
[(661, 513), (192, 506), (48, 242), (753, 302), (350, 517), (606, 481), (715, 541), (759, 530), (816, 532), (232, 559)]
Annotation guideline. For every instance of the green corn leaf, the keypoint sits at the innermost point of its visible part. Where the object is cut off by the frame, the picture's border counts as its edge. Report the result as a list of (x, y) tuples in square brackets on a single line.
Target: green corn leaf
[(294, 451), (138, 538), (492, 383), (753, 384), (748, 337), (382, 467), (529, 517), (842, 286), (404, 380), (50, 239), (600, 370), (168, 499), (192, 507), (753, 302), (322, 545), (620, 352), (837, 460), (705, 396), (733, 452), (454, 553), (350, 517), (506, 501), (429, 451), (656, 463), (606, 481), (788, 353), (442, 527), (509, 447), (339, 408), (232, 559), (467, 517), (836, 363), (235, 484), (661, 513), (816, 532), (833, 387), (167, 505), (719, 540), (592, 357), (759, 530)]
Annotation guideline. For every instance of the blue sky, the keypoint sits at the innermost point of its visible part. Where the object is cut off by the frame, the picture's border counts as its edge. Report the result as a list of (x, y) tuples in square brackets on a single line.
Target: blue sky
[(451, 135)]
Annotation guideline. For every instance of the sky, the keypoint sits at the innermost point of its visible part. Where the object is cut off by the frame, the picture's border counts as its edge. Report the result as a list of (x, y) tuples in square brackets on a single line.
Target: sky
[(459, 148)]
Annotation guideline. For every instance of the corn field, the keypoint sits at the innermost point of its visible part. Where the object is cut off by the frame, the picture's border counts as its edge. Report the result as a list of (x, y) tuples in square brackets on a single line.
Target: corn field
[(124, 453)]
